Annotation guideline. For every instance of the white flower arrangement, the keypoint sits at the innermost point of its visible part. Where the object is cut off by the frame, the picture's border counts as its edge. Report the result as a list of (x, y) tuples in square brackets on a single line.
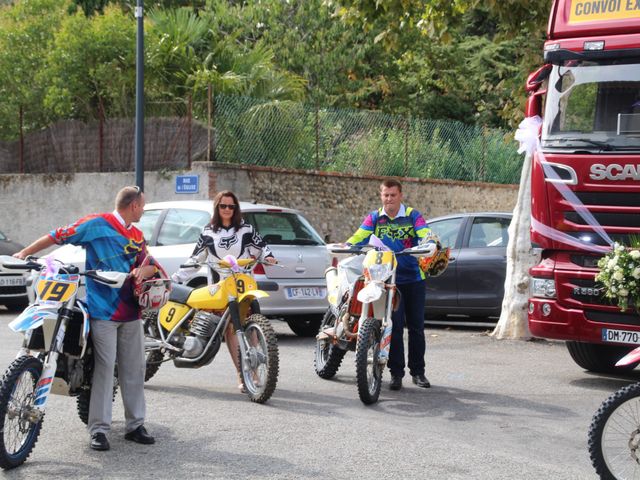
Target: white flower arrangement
[(620, 276)]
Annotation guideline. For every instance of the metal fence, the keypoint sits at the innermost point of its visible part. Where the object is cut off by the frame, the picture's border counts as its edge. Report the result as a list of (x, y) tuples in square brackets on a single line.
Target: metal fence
[(283, 134)]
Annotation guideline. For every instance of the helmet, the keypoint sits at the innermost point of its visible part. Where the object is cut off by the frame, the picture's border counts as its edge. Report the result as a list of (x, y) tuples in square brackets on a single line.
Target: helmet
[(153, 292), (435, 265)]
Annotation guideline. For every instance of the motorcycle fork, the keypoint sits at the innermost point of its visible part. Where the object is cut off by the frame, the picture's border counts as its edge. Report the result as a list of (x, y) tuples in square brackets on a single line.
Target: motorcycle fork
[(43, 386), (234, 312)]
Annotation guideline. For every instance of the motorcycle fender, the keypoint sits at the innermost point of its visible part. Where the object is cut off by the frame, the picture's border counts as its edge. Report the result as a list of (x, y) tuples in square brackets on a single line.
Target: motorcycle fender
[(33, 317), (86, 327), (631, 357), (245, 301), (370, 293)]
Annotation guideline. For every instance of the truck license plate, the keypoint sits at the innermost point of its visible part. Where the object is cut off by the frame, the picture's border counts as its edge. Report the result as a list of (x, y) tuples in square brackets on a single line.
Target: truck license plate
[(620, 336), (305, 292)]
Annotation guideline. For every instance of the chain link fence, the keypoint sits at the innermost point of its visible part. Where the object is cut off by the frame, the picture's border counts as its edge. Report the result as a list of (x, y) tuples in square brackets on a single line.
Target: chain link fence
[(284, 134)]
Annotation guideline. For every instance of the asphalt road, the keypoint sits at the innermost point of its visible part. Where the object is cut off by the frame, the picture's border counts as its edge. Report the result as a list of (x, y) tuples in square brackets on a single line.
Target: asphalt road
[(497, 410)]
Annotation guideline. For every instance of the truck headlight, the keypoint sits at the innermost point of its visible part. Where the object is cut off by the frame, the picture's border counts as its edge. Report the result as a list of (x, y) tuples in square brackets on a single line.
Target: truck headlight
[(543, 287)]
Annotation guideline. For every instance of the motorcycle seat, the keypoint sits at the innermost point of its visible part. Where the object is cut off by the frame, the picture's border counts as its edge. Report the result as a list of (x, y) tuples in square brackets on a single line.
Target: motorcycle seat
[(179, 293)]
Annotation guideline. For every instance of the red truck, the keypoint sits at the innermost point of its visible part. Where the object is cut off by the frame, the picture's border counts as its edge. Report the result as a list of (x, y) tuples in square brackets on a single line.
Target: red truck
[(588, 95)]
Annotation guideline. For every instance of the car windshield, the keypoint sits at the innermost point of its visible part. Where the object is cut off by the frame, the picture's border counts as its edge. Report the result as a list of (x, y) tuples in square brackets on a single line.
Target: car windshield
[(148, 224), (593, 105), (181, 225), (278, 228)]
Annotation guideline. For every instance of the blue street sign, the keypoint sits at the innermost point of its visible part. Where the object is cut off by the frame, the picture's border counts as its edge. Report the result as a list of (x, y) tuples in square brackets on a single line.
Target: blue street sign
[(187, 183)]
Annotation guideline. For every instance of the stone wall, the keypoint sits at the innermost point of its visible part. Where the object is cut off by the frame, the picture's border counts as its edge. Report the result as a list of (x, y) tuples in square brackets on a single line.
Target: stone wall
[(31, 205)]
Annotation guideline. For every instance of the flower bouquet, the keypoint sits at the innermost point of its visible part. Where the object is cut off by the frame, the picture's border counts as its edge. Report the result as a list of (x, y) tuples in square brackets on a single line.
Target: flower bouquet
[(620, 276)]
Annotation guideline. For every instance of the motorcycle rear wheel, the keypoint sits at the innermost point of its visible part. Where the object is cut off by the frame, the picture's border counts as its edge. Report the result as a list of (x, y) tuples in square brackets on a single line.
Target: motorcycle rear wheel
[(19, 434), (153, 358), (368, 366), (614, 435), (260, 367), (328, 356)]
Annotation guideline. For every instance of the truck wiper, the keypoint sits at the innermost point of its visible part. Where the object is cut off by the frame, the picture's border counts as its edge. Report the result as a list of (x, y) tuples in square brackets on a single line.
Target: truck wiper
[(596, 143)]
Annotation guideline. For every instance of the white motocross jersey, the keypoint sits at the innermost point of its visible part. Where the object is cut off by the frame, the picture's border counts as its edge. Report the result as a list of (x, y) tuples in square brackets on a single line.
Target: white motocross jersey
[(244, 242)]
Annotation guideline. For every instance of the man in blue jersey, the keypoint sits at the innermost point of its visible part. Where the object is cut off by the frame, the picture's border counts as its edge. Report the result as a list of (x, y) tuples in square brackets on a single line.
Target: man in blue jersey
[(112, 243), (400, 227)]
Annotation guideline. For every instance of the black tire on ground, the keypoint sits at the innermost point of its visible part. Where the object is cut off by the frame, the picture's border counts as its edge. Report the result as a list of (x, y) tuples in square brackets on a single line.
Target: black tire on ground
[(153, 358), (618, 454), (368, 367), (599, 358), (305, 326), (11, 454), (257, 324), (328, 357), (84, 399)]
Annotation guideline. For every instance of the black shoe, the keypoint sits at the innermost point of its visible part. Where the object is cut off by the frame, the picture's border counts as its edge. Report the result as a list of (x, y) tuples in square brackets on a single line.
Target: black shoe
[(396, 383), (421, 381), (99, 441), (140, 435)]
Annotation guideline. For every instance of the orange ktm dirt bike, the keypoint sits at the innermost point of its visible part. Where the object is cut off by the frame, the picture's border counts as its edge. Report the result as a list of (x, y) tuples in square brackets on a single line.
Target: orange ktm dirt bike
[(362, 296), (190, 327)]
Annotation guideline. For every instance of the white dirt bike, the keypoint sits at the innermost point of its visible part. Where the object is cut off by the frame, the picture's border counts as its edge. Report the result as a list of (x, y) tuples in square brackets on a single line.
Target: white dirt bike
[(56, 355)]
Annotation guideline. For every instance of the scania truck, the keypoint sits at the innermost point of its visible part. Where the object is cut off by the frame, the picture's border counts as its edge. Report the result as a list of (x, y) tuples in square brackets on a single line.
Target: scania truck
[(588, 95)]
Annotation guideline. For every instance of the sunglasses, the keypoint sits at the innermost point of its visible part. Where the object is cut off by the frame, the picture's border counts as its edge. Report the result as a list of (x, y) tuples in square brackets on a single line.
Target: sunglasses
[(138, 190), (224, 206)]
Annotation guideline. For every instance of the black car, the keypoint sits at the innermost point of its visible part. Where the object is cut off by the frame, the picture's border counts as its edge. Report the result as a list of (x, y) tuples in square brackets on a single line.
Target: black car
[(473, 284), (13, 286)]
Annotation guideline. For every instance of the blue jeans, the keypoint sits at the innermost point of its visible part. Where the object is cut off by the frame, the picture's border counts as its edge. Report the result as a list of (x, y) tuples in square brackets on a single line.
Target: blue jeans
[(411, 309)]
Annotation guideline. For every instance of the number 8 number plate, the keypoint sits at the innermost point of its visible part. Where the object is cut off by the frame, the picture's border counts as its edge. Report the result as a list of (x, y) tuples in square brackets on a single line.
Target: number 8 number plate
[(620, 336)]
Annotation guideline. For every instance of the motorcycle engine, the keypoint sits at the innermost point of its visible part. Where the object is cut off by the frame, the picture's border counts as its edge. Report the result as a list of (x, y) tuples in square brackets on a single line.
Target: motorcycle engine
[(201, 328)]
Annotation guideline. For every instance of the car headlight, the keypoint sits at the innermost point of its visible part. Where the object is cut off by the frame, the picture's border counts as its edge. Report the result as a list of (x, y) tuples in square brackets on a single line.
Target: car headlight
[(379, 273), (543, 287)]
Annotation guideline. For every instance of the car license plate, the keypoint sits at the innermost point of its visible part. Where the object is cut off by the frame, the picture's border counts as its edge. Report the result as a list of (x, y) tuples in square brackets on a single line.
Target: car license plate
[(620, 336), (12, 281), (293, 293)]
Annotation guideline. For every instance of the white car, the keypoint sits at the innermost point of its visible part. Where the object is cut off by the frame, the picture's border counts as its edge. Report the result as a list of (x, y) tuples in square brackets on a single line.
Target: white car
[(296, 288)]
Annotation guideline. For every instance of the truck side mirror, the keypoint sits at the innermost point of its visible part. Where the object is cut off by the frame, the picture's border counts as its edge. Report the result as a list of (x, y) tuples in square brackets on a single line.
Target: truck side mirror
[(535, 79)]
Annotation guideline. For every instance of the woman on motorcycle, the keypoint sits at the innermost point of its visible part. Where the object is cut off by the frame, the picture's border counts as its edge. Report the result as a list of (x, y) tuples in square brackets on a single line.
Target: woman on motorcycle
[(226, 234)]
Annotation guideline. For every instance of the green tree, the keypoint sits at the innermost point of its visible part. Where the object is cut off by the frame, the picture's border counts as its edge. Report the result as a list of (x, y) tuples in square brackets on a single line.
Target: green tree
[(27, 30)]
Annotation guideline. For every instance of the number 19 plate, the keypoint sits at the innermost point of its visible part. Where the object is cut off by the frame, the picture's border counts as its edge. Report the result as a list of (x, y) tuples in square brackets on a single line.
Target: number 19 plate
[(620, 336)]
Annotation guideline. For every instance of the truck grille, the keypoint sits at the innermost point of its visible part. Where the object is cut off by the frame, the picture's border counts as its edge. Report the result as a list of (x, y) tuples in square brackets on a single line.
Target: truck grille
[(607, 219), (588, 291), (622, 318), (610, 199)]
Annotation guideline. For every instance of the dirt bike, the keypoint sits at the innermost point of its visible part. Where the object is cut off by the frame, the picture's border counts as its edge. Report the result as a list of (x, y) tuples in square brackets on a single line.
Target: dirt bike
[(56, 355), (614, 433), (190, 327), (362, 296)]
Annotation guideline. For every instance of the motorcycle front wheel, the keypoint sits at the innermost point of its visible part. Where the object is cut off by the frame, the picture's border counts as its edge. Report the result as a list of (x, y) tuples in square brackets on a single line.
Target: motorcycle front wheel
[(260, 366), (614, 435), (368, 366), (153, 358), (328, 356), (20, 423)]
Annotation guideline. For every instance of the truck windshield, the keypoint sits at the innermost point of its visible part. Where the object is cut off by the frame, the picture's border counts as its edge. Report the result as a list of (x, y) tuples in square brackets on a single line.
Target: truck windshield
[(593, 105)]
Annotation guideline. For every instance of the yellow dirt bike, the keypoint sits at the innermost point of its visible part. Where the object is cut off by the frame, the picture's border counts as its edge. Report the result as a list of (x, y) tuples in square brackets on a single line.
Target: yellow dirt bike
[(190, 327)]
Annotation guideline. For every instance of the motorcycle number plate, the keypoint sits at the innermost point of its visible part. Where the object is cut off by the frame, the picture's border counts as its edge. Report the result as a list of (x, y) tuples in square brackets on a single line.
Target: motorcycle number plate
[(55, 291), (620, 336)]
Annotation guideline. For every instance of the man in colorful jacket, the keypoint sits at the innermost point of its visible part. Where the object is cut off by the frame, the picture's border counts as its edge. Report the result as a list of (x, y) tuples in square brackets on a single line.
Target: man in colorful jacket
[(112, 243), (400, 227)]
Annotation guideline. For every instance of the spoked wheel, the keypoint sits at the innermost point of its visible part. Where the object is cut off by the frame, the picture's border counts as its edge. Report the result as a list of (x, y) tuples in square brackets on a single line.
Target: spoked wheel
[(368, 366), (328, 355), (260, 366), (614, 435), (153, 358), (20, 421)]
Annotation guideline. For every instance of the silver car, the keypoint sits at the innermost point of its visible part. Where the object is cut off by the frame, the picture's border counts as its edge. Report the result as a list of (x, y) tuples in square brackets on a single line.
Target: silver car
[(296, 288)]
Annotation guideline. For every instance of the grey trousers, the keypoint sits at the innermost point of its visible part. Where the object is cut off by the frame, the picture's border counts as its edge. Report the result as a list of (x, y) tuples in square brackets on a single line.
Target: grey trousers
[(124, 340)]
